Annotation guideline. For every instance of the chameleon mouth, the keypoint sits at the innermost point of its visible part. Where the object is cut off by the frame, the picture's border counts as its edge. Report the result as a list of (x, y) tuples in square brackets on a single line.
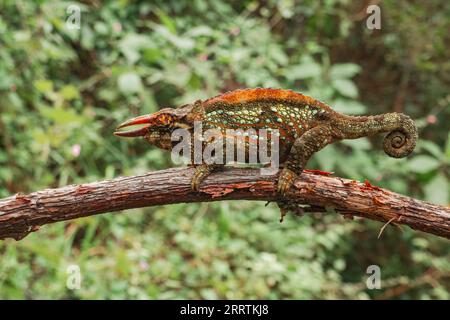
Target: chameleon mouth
[(146, 120)]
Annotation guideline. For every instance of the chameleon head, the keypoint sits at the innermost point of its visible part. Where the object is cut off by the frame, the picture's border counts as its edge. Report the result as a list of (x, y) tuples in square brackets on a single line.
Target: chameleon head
[(157, 127)]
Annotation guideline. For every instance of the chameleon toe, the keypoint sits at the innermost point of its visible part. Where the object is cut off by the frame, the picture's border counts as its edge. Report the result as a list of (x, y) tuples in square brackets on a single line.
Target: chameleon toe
[(285, 181)]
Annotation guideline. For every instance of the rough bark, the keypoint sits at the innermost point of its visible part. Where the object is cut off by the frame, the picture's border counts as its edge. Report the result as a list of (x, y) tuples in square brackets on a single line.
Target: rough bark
[(22, 214)]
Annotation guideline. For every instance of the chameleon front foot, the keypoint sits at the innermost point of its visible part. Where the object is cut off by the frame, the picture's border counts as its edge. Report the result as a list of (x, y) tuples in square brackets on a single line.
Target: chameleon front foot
[(285, 181), (200, 174)]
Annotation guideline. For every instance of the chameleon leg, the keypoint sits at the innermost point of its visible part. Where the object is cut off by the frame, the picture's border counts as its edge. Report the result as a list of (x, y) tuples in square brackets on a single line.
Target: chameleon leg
[(201, 172), (304, 147), (205, 169)]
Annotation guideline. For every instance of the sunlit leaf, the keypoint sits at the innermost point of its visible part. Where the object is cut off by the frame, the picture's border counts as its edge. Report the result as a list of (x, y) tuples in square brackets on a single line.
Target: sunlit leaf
[(168, 22), (70, 92), (303, 71), (200, 31), (423, 164), (129, 82), (438, 190), (349, 107), (132, 44), (345, 87), (344, 70), (43, 86)]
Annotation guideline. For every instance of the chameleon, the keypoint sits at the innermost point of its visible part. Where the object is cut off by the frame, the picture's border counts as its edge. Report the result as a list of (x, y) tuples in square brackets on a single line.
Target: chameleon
[(304, 126)]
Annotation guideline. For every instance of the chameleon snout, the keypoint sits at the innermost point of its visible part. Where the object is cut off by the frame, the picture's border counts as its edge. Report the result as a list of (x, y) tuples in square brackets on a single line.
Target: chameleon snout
[(146, 120)]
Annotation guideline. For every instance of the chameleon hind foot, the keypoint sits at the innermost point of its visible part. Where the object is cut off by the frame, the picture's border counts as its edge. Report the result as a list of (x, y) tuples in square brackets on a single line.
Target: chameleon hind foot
[(287, 206), (201, 172), (285, 181)]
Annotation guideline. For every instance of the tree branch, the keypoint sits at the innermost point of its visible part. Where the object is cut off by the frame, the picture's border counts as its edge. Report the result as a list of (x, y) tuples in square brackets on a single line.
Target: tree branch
[(22, 214)]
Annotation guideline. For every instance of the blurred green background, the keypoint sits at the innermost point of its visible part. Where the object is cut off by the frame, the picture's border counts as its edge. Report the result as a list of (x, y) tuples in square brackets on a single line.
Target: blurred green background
[(63, 91)]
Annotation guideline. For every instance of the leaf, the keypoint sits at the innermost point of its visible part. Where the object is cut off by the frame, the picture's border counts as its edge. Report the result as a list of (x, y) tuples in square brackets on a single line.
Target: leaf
[(43, 86), (167, 21), (328, 157), (278, 55), (304, 71), (152, 55), (423, 164), (431, 147), (178, 74), (286, 9), (6, 80), (61, 115), (22, 36), (101, 28), (87, 37), (437, 190), (129, 82), (361, 144), (69, 92), (349, 107), (131, 45), (447, 147), (208, 294), (344, 70), (345, 87), (179, 42), (200, 31)]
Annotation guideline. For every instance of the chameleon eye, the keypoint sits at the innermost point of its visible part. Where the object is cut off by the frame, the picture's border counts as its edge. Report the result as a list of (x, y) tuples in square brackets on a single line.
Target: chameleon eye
[(165, 119)]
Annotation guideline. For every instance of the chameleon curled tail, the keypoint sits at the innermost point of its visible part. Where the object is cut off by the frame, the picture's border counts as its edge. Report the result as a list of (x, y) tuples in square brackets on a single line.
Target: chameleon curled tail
[(400, 142)]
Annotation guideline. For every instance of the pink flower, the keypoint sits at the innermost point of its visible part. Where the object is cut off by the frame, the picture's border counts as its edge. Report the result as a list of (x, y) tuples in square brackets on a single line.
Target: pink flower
[(144, 265), (235, 31), (76, 149), (117, 26), (432, 119), (203, 57)]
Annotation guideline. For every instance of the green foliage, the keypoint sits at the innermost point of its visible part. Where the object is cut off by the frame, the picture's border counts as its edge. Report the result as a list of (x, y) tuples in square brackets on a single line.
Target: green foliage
[(63, 91)]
